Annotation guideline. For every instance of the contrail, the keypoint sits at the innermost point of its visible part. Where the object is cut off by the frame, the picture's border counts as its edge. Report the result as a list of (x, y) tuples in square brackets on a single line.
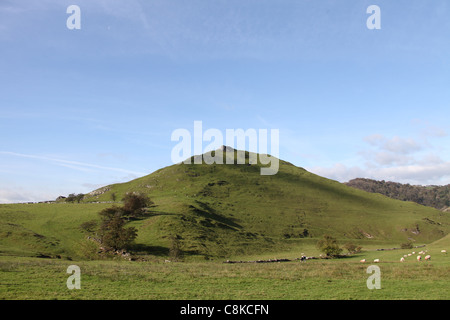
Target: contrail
[(73, 163)]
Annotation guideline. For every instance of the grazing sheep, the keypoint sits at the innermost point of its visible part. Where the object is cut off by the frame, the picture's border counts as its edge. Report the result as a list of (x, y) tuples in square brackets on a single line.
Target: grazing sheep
[(428, 257), (413, 252), (444, 251), (404, 256), (376, 260), (402, 259), (362, 261), (409, 254), (419, 258)]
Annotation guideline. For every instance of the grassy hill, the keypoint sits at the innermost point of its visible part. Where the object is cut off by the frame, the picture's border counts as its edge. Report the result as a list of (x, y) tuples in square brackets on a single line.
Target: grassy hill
[(229, 210)]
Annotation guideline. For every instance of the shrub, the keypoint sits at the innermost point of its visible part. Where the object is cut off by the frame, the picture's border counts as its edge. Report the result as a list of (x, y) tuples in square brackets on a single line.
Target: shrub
[(115, 236), (329, 246), (112, 230), (406, 245), (352, 248), (74, 197), (134, 204)]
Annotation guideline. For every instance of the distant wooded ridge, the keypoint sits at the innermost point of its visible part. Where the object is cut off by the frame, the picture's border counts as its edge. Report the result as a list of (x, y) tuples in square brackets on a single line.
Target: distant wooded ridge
[(432, 196)]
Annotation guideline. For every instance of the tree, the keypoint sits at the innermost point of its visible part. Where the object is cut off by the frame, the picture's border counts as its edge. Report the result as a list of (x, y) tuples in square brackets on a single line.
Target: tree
[(79, 197), (74, 197), (108, 214), (113, 233), (352, 248), (71, 197), (134, 204), (329, 246)]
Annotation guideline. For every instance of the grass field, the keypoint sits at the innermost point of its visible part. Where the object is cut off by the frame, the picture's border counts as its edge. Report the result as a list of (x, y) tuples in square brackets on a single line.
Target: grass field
[(343, 279)]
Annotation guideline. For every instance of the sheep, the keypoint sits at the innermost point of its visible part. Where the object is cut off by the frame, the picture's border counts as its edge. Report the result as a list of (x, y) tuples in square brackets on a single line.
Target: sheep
[(363, 260), (402, 259), (376, 260), (444, 251), (409, 254), (419, 258), (405, 255), (428, 257)]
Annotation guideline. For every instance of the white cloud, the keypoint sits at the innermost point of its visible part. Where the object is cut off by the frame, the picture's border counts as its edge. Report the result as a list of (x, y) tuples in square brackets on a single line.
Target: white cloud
[(428, 129), (396, 144), (417, 174), (437, 174), (339, 172), (20, 195), (404, 160)]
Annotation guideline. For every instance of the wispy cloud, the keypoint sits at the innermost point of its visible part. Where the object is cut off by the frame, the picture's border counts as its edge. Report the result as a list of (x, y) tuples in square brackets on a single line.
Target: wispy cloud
[(72, 164), (399, 159)]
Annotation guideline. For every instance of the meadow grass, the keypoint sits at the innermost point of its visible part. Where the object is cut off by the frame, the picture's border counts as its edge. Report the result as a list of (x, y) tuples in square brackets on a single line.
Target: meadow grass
[(341, 279)]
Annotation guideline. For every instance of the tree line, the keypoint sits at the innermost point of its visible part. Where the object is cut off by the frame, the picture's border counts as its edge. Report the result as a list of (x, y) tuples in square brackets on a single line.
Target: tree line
[(432, 196)]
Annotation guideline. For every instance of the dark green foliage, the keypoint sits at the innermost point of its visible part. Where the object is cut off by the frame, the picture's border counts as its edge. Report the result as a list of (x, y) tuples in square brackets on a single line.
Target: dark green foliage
[(112, 231), (109, 213), (329, 246), (406, 245), (432, 196), (352, 248), (74, 197), (134, 204)]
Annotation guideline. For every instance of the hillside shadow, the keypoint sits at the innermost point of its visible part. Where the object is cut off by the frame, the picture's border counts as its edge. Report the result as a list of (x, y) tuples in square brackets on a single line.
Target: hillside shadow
[(149, 214), (158, 213), (207, 212), (140, 248), (143, 249)]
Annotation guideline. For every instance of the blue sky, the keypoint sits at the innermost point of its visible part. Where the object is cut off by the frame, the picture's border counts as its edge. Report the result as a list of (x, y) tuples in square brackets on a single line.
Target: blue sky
[(84, 108)]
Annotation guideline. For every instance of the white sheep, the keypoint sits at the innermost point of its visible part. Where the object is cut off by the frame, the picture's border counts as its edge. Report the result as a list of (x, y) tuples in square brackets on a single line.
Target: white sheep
[(362, 261), (428, 257), (419, 258), (376, 260), (402, 259), (444, 251)]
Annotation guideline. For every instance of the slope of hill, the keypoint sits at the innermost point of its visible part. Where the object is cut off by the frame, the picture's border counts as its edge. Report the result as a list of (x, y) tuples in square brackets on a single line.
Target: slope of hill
[(233, 209), (230, 210), (433, 196)]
